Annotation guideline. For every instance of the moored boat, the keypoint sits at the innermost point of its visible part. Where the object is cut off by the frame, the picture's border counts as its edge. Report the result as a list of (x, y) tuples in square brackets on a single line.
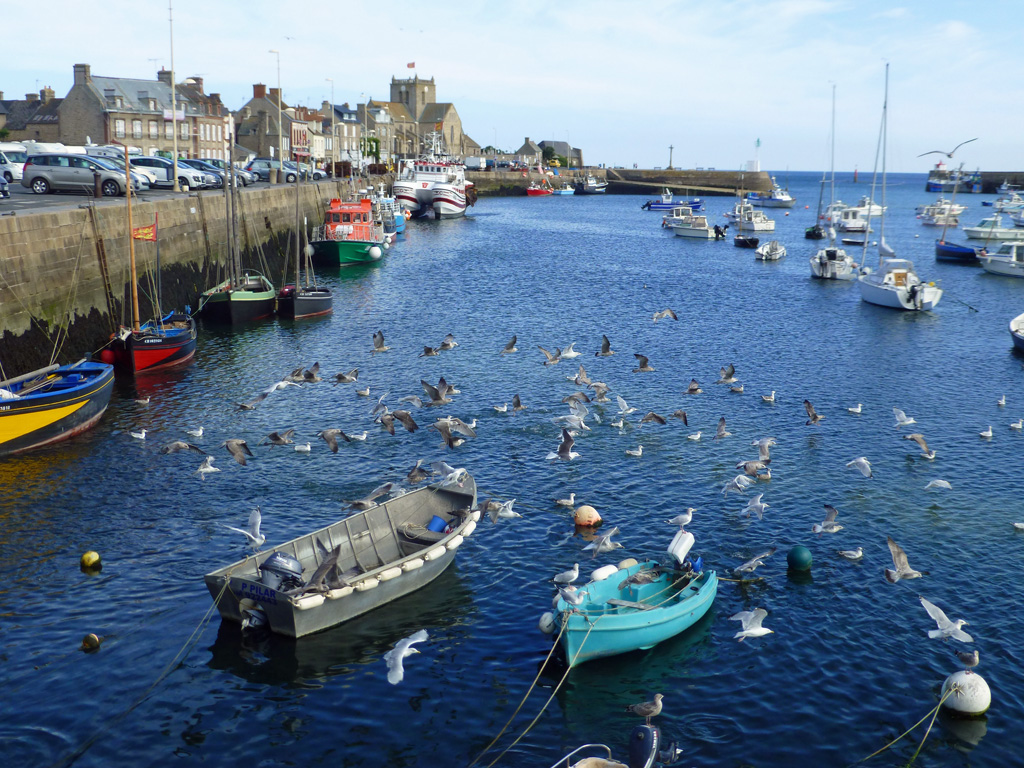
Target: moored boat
[(565, 189), (745, 218), (591, 185), (155, 345), (251, 297), (991, 228), (694, 225), (1017, 331), (303, 299), (773, 250), (668, 203), (349, 235), (538, 190), (383, 553), (619, 615), (52, 404), (1007, 259), (830, 262), (745, 241), (776, 197), (941, 179), (962, 254)]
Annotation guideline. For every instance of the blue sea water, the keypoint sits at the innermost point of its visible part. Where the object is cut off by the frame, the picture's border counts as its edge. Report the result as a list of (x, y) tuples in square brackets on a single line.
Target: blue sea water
[(849, 665)]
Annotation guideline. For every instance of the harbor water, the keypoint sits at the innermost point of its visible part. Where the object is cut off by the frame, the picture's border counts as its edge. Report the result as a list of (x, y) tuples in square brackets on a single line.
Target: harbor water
[(849, 666)]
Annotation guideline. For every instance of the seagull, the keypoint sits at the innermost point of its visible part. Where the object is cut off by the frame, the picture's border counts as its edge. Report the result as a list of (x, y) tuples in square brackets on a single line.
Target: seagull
[(283, 384), (751, 565), (417, 474), (752, 467), (570, 502), (619, 423), (606, 348), (738, 389), (437, 395), (828, 525), (751, 623), (812, 415), (363, 392), (141, 434), (551, 359), (902, 420), (764, 448), (1018, 424), (279, 438), (739, 483), (511, 347), (651, 416), (693, 389), (721, 433), (371, 499), (312, 374), (402, 649), (938, 484), (665, 313), (567, 577), (206, 468), (681, 415), (604, 543), (852, 554), (429, 351), (194, 432), (727, 375), (572, 596), (856, 409), (986, 435), (569, 353), (238, 448), (694, 436), (950, 153), (624, 408), (330, 436), (303, 448), (918, 438), (757, 506), (503, 408), (683, 519), (969, 660), (862, 464), (564, 450), (180, 445), (378, 343), (142, 400), (517, 404), (902, 566), (251, 405), (361, 436), (503, 510), (946, 628), (638, 451), (644, 366), (448, 343), (647, 709), (769, 398), (346, 378), (1001, 401), (252, 531)]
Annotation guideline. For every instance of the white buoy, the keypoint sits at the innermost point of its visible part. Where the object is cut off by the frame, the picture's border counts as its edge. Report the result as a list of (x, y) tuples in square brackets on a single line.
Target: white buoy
[(974, 697), (375, 252), (546, 623)]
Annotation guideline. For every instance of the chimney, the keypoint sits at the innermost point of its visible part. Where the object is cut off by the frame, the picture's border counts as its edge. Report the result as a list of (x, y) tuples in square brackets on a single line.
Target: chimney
[(83, 74), (198, 82), (164, 76), (275, 95), (30, 97), (46, 94), (259, 91), (1, 95), (326, 107)]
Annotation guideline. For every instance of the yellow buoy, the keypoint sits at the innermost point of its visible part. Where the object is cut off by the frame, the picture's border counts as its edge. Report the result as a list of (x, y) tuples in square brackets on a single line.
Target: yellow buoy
[(91, 560), (586, 515), (91, 642)]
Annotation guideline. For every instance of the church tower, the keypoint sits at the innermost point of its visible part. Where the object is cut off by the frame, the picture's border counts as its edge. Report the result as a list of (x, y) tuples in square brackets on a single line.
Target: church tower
[(414, 93)]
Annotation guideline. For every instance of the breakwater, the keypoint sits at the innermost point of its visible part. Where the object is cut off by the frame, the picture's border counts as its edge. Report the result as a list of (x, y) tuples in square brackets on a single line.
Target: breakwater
[(623, 181), (65, 278)]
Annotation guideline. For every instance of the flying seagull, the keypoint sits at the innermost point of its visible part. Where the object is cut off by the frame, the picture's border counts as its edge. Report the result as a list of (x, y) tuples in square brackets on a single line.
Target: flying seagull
[(727, 375), (402, 649), (643, 366), (752, 564), (862, 464), (238, 448), (330, 436), (812, 416), (946, 628), (569, 576), (693, 389), (206, 468), (828, 525), (606, 348), (552, 359), (751, 623), (918, 438), (181, 445), (664, 314), (370, 499), (565, 449), (378, 343), (346, 378), (902, 566), (511, 347), (279, 438), (950, 153), (252, 531)]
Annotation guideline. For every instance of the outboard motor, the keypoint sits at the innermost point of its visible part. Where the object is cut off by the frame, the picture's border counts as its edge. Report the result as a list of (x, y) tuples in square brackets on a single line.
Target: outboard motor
[(281, 572), (644, 741)]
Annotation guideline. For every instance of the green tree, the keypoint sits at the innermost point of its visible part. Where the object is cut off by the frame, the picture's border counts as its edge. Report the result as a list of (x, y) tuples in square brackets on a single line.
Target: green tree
[(549, 154), (4, 133)]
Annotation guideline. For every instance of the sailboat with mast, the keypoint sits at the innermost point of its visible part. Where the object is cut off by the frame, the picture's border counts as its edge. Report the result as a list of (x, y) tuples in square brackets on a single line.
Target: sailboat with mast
[(895, 283), (308, 299), (831, 262), (164, 342), (246, 295)]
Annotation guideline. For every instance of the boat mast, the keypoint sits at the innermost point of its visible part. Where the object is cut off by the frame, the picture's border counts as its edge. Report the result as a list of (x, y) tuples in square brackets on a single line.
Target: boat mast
[(874, 179), (832, 173), (131, 242), (882, 245), (298, 238)]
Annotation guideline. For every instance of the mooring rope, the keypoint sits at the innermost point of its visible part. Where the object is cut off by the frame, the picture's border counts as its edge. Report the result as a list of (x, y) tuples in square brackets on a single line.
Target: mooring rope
[(934, 712)]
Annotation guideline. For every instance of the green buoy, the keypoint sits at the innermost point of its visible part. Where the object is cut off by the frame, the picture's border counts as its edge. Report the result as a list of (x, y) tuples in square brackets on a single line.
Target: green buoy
[(799, 558)]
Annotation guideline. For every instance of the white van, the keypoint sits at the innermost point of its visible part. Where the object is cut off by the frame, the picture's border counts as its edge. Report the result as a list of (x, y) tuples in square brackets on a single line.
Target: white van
[(12, 161)]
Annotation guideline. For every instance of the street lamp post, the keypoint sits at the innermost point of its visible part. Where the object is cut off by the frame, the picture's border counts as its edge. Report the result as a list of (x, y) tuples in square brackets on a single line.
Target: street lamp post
[(174, 101), (280, 125), (334, 131)]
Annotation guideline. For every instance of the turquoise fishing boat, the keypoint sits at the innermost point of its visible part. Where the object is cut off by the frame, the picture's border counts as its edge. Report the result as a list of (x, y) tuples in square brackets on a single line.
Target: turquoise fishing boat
[(634, 609)]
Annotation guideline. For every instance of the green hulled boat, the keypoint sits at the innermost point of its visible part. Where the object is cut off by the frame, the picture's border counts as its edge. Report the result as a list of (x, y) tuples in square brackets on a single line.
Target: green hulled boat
[(349, 235), (251, 297)]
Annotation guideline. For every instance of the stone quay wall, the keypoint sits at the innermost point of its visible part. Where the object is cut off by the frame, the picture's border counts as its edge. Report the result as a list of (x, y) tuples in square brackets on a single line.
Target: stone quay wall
[(622, 181), (65, 273)]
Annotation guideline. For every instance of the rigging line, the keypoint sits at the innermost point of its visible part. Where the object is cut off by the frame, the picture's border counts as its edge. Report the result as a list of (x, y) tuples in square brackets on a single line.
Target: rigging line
[(952, 689), (72, 294)]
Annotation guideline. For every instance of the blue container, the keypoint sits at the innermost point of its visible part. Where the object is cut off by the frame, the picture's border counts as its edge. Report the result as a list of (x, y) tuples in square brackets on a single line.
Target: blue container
[(437, 524)]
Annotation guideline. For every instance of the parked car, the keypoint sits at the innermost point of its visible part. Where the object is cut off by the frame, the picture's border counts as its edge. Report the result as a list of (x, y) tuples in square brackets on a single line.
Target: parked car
[(12, 160), (261, 167), (5, 188), (245, 178), (211, 176), (143, 177), (58, 170), (188, 178), (311, 173)]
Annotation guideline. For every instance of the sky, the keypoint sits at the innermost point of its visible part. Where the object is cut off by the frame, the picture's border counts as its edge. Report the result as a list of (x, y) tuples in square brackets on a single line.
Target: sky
[(624, 81)]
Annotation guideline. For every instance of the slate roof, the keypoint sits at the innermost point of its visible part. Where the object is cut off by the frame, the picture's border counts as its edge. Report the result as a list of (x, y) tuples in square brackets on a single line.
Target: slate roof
[(21, 113)]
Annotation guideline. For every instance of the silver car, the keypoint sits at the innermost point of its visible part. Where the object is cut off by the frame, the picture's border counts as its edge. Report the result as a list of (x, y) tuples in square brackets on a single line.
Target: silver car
[(56, 170)]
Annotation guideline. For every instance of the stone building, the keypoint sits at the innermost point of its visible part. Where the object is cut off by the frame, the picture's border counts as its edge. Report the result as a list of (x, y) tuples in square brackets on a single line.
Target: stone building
[(573, 154), (104, 110), (347, 132), (34, 118), (530, 153), (257, 126)]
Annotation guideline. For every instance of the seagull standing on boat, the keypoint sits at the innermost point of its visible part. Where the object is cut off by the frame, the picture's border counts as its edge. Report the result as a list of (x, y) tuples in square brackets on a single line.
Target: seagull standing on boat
[(395, 657), (567, 577), (252, 531)]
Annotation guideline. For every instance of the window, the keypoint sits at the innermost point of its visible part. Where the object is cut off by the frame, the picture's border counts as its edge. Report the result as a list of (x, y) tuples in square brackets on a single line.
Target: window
[(154, 130), (183, 132), (168, 131), (119, 128), (136, 129)]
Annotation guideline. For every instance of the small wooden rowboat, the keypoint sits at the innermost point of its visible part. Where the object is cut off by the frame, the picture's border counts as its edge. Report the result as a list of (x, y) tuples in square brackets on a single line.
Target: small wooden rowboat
[(386, 552), (618, 615)]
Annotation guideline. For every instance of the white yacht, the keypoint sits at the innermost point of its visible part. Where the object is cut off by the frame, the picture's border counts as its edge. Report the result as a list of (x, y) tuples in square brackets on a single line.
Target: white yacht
[(776, 197), (991, 228), (694, 225), (1007, 259), (745, 218), (830, 262), (773, 250), (857, 218)]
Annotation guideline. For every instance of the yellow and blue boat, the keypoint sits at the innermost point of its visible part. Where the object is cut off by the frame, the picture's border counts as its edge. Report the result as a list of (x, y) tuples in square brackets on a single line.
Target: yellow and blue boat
[(634, 609), (52, 404)]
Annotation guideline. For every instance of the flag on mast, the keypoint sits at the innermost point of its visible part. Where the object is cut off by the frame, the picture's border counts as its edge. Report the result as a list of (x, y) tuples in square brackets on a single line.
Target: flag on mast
[(411, 65), (145, 233)]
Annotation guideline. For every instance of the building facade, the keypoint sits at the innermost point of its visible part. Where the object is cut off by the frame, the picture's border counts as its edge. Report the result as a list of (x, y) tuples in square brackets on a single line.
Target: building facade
[(34, 118)]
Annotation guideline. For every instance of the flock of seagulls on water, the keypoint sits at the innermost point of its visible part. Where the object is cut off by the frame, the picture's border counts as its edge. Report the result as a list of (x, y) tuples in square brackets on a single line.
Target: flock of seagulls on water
[(586, 406)]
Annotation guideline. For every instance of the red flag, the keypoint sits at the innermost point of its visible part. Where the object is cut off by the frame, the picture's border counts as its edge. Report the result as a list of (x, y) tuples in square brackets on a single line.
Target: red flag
[(411, 65), (145, 233)]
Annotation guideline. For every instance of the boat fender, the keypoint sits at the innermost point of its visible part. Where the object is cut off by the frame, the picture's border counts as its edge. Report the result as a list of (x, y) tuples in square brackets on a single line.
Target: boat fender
[(470, 527), (390, 573), (308, 601), (603, 572), (412, 565), (456, 540), (475, 515), (546, 623), (334, 594), (434, 554), (629, 562), (367, 584)]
